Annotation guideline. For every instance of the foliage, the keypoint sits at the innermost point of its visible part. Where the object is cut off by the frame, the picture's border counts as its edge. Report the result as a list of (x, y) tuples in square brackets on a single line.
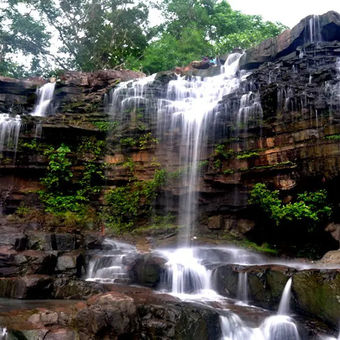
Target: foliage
[(333, 137), (197, 28), (310, 207), (147, 140), (126, 203), (222, 152), (62, 194), (105, 125), (247, 155), (107, 34), (21, 34)]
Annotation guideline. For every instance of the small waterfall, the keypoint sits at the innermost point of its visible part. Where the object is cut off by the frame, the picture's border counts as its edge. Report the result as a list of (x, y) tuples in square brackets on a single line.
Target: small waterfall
[(3, 333), (233, 328), (110, 266), (278, 327), (314, 29), (250, 110), (186, 274), (9, 132), (285, 299), (242, 287), (43, 106)]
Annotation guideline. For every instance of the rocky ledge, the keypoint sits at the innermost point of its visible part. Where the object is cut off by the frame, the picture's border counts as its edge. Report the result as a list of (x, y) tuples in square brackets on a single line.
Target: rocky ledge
[(120, 313)]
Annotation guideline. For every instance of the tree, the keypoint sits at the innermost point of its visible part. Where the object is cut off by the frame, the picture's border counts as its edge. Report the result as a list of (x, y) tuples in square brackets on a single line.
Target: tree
[(20, 34), (96, 34), (196, 28)]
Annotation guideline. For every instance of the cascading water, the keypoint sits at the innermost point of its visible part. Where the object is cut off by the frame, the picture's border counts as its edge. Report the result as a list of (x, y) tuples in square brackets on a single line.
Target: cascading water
[(242, 287), (9, 132), (186, 274), (44, 101), (110, 266), (314, 29), (3, 333), (188, 106), (285, 299)]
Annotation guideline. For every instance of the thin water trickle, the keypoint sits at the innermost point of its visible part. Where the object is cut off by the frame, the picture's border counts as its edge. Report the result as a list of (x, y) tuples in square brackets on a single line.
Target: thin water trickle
[(242, 287), (9, 132), (285, 299), (44, 102), (3, 333)]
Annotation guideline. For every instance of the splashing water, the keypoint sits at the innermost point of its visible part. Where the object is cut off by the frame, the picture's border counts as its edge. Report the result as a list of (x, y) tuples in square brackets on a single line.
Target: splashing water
[(186, 274), (278, 327), (285, 299), (110, 266), (44, 102), (3, 333), (9, 132)]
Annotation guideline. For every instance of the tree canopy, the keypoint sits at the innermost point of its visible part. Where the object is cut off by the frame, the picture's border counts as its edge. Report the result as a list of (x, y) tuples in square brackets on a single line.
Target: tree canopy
[(89, 35)]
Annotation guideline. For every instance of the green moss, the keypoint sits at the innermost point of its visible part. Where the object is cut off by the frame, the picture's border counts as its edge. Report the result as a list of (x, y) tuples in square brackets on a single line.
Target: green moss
[(228, 171), (247, 155), (333, 137)]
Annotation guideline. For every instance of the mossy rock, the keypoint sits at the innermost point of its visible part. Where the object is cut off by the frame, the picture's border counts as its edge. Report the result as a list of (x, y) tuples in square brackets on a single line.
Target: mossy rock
[(318, 293)]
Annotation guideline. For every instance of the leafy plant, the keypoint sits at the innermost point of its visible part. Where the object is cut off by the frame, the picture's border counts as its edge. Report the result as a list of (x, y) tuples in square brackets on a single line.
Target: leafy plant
[(247, 155), (126, 203), (310, 206)]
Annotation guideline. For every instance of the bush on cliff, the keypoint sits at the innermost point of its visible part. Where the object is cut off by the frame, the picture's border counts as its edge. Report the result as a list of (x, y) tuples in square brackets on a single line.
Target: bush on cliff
[(310, 207)]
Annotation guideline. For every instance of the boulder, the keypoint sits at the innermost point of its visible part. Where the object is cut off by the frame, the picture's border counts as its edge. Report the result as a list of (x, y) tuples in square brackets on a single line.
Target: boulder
[(331, 257), (147, 270), (317, 293), (71, 263)]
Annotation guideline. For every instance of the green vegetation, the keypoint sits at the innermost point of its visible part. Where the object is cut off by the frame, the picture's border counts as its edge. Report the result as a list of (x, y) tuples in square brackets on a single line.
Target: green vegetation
[(310, 207), (116, 34), (247, 155), (333, 137), (126, 203), (105, 125), (67, 195), (220, 151)]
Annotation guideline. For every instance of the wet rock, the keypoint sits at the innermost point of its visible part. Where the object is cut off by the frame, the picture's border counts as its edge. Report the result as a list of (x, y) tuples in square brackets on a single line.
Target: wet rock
[(317, 293), (26, 287), (331, 257), (147, 270), (289, 40), (265, 282), (71, 263), (65, 288), (334, 229)]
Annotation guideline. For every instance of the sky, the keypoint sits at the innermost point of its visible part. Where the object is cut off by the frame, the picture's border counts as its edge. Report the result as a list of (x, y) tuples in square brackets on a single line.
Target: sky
[(288, 12)]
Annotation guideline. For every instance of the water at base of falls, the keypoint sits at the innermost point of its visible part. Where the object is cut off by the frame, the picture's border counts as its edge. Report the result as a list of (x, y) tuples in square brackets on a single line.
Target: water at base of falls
[(111, 266), (44, 101), (186, 274), (278, 327), (3, 333)]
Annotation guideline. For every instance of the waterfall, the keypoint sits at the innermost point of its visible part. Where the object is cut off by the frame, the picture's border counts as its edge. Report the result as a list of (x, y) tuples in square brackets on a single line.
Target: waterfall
[(314, 29), (111, 265), (186, 274), (3, 333), (278, 327), (44, 102), (285, 299), (242, 287), (9, 132)]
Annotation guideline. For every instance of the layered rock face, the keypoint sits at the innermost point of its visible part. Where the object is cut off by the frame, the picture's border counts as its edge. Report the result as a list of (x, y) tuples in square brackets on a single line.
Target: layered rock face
[(279, 127)]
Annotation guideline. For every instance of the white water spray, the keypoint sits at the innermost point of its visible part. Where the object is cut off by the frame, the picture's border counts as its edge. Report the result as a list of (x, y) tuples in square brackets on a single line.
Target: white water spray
[(9, 132), (44, 101), (285, 299)]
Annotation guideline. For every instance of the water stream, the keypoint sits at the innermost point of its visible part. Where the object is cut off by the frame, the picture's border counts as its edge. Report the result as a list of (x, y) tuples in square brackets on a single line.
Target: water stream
[(9, 132), (44, 103), (285, 299)]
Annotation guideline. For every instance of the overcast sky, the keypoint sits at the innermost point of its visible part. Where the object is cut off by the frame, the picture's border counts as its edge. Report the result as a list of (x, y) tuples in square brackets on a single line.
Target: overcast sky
[(288, 12)]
